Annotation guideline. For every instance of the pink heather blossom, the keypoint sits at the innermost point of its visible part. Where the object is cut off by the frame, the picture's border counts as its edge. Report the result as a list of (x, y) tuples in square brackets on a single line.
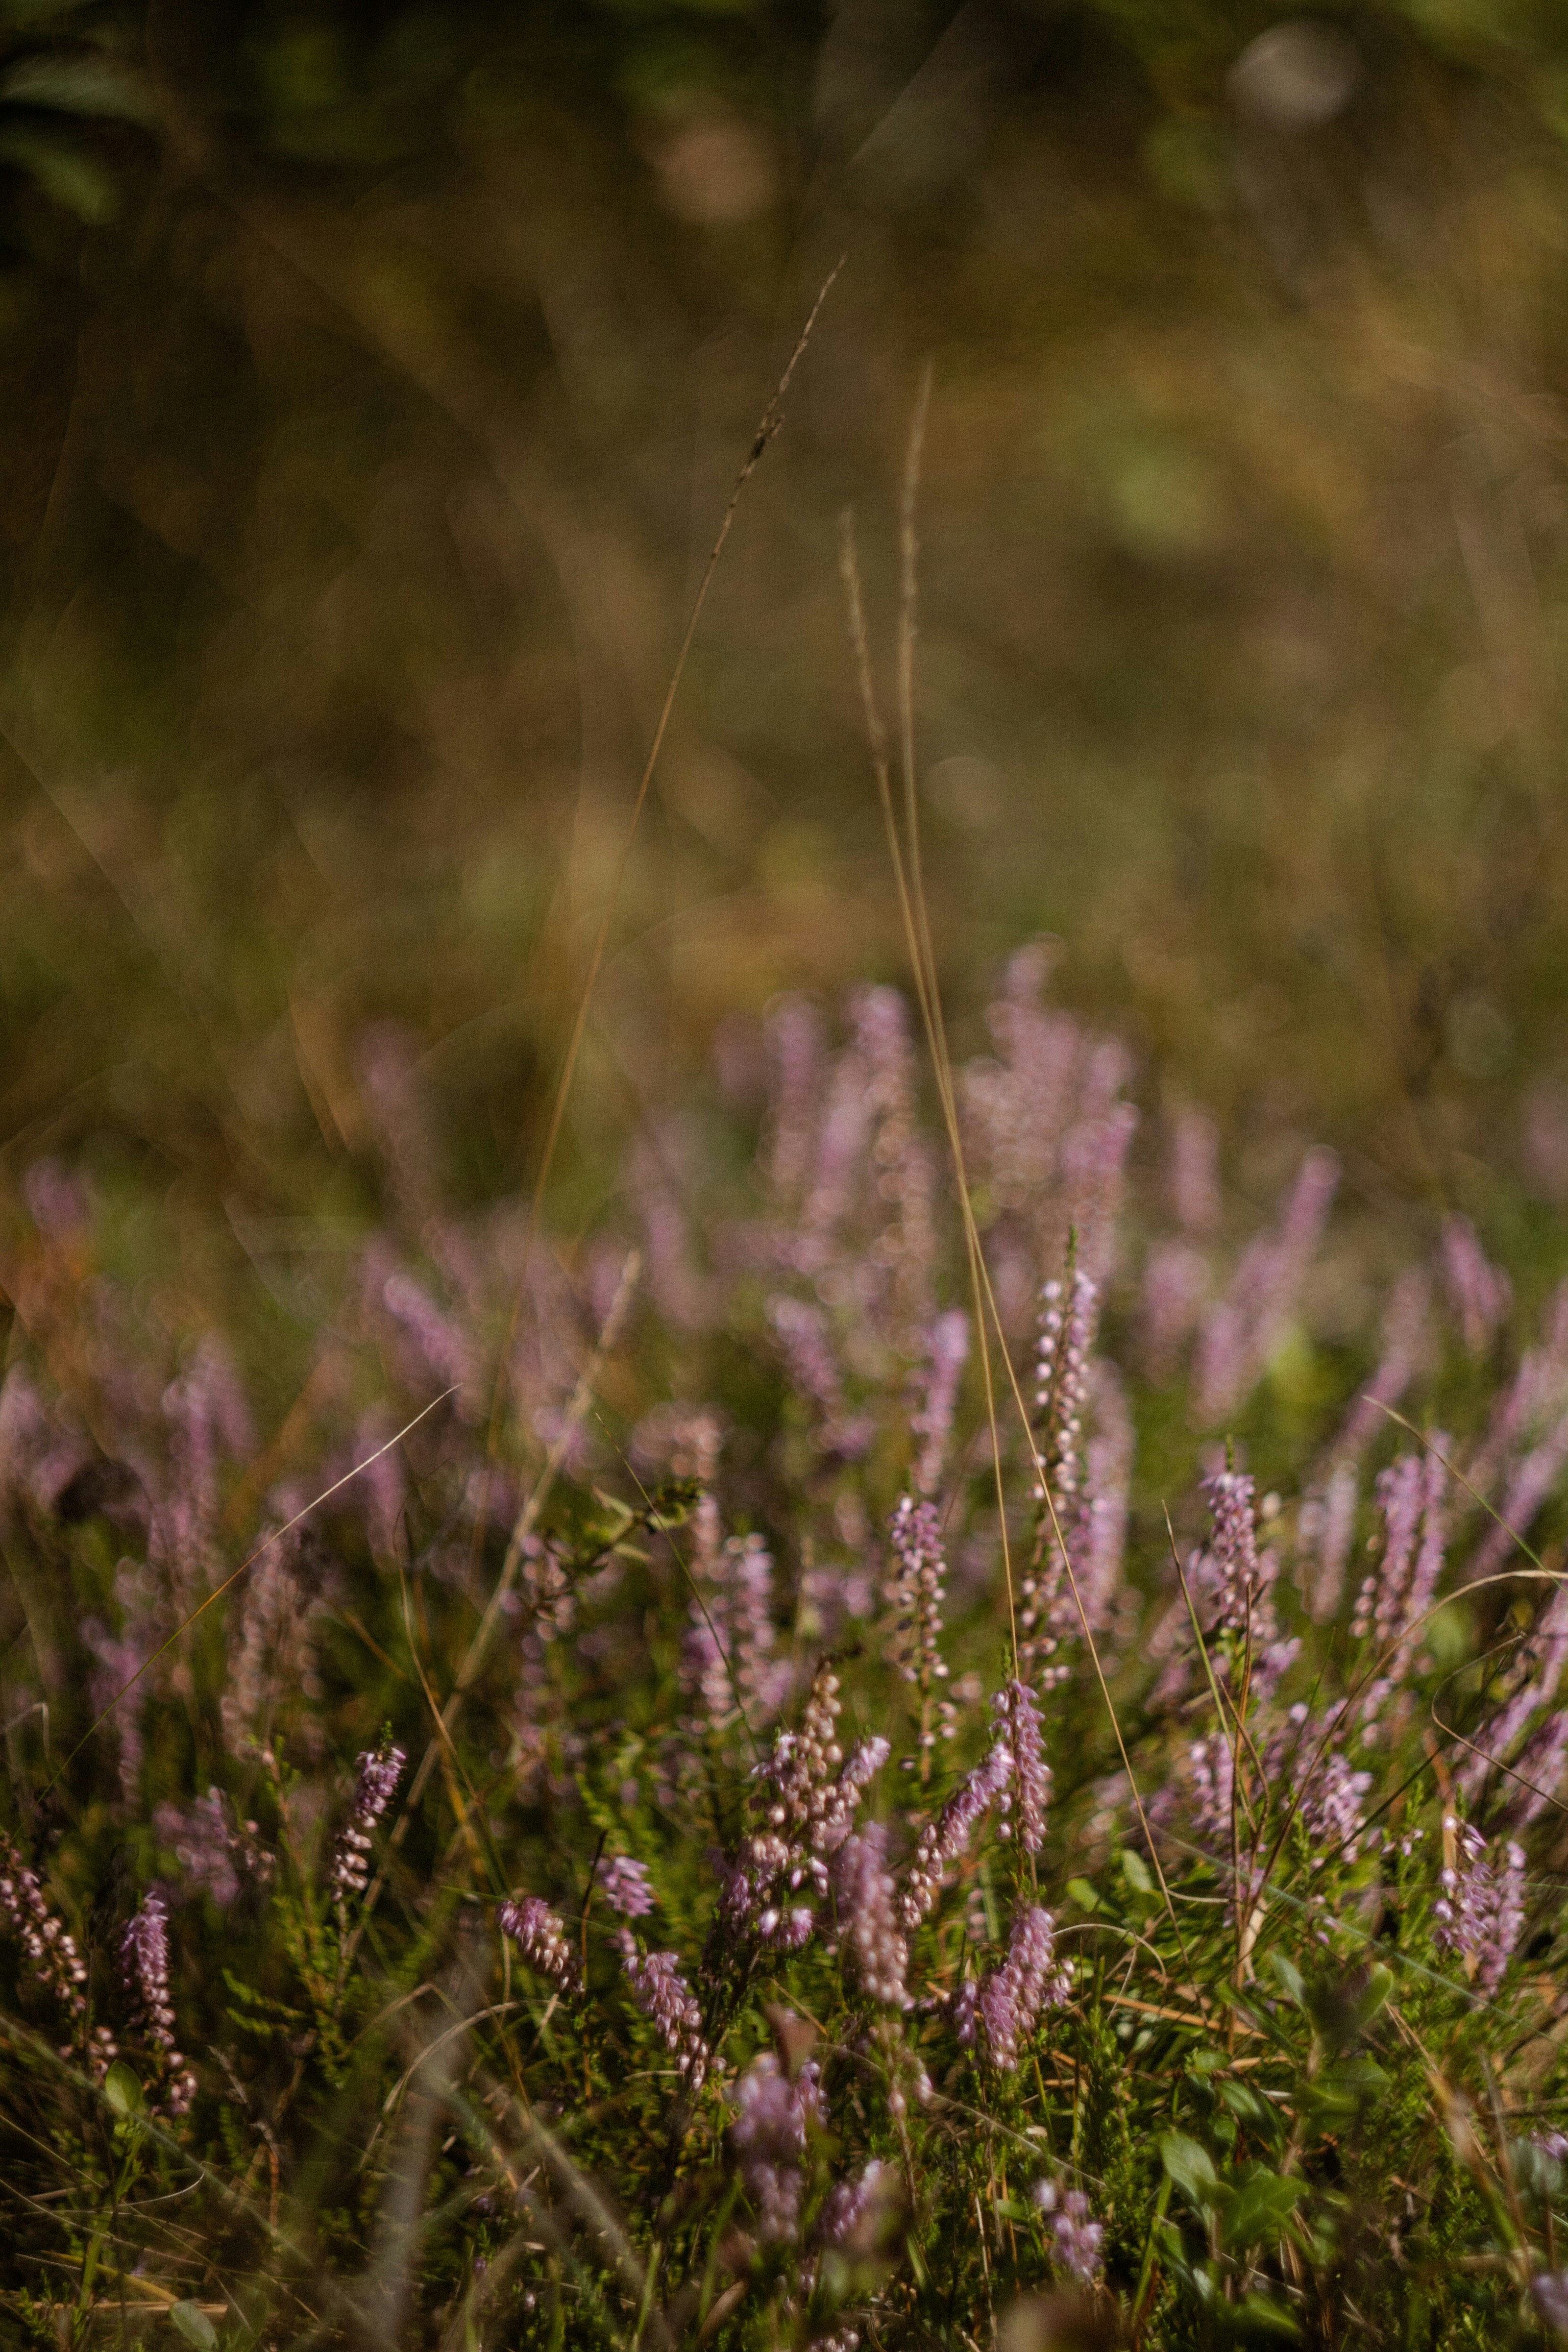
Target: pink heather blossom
[(380, 1770), (1325, 1532), (217, 1855), (1079, 2240), (1009, 2000), (944, 1841), (1537, 1774), (1539, 1666), (145, 1974), (903, 1168), (1069, 1314), (1529, 1486), (1175, 1283), (855, 2213), (812, 1792), (792, 1036), (1481, 1912), (625, 1885), (49, 1948), (1480, 1293), (802, 1331), (1241, 1330), (664, 1998), (1548, 2291), (915, 1591), (1212, 1762), (773, 2116), (539, 1934), (866, 1898), (946, 1353), (1403, 1352), (1312, 1773), (1230, 1571), (436, 1343), (1018, 1735), (1094, 1166), (1412, 1495), (731, 1641), (1100, 1540)]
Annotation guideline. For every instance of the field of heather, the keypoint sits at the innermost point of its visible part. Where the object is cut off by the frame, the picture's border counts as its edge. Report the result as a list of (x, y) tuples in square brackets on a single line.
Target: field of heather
[(784, 1177)]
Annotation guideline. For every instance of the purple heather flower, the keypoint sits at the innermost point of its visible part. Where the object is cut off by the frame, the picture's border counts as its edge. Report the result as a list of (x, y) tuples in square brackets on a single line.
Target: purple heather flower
[(1078, 2239), (944, 1841), (1550, 2291), (380, 1770), (1411, 1494), (625, 1885), (1325, 1531), (216, 1855), (1540, 1668), (1481, 1912), (792, 1034), (914, 1592), (1069, 1318), (1009, 2002), (773, 2116), (1231, 1569), (663, 1995), (1530, 1483), (731, 1638), (869, 1916), (946, 1353), (813, 1791), (144, 1973), (1017, 1734), (50, 1949), (1241, 1331), (853, 2212), (1100, 1538), (1480, 1293), (1404, 1348), (1175, 1283), (539, 1934), (1330, 1795)]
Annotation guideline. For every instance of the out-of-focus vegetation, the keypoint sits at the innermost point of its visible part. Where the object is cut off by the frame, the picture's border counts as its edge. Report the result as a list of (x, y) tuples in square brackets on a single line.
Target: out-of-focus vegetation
[(359, 469)]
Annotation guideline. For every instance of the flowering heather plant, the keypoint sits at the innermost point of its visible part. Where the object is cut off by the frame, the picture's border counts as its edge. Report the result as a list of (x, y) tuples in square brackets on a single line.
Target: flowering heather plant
[(782, 1863)]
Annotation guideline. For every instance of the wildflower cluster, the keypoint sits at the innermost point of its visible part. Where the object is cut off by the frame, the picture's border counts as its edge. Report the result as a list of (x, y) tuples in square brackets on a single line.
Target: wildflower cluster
[(785, 1816)]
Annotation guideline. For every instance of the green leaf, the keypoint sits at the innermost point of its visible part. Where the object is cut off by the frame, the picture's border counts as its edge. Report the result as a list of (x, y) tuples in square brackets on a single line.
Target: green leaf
[(195, 2326), (1379, 1985), (75, 181), (1260, 2209), (1135, 1870), (1291, 1978), (122, 2090), (1254, 2319), (1245, 2102), (97, 87), (1191, 2167), (1083, 1895)]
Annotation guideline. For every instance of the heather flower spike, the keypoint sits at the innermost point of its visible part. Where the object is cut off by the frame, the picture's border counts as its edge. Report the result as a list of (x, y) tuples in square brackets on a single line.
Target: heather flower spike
[(539, 1934), (1479, 1915), (663, 1995), (1008, 2002), (380, 1770), (144, 1973)]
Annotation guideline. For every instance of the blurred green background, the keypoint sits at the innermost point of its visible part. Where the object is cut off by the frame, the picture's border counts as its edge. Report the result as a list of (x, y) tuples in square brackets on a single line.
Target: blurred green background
[(374, 378)]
